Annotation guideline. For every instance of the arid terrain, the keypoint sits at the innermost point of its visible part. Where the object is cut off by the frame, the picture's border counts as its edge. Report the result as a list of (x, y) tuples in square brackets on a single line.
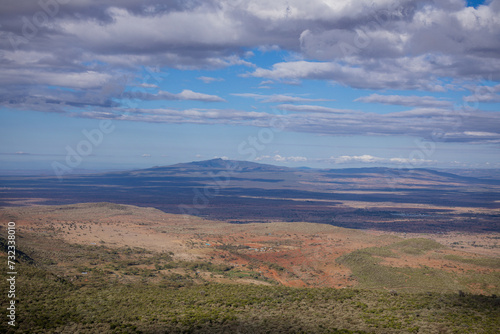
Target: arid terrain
[(292, 254), (266, 249), (402, 200)]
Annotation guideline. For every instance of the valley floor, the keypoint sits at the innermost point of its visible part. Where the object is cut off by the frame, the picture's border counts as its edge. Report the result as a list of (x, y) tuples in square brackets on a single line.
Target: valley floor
[(101, 267)]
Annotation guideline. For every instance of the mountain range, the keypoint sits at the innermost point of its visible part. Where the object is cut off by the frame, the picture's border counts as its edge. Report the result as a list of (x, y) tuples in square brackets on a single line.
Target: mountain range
[(242, 191)]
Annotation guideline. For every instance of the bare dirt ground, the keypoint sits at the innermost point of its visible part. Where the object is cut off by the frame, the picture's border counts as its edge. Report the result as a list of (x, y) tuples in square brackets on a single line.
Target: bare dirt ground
[(293, 254)]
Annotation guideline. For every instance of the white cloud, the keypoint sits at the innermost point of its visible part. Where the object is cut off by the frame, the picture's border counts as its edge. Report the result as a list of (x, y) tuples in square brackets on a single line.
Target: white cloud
[(348, 33), (402, 100), (266, 82), (429, 123), (184, 95), (208, 80), (146, 85), (483, 93), (369, 159), (402, 73), (313, 109), (39, 76), (279, 98), (297, 70), (190, 95), (481, 134), (279, 158), (201, 25), (93, 51), (389, 44)]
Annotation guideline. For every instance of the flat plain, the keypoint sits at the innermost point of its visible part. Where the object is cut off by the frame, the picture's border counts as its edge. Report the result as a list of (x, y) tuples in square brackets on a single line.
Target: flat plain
[(412, 264), (403, 200)]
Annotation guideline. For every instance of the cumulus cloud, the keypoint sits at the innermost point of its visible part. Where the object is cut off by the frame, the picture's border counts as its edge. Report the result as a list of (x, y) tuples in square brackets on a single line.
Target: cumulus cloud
[(406, 73), (483, 93), (399, 45), (79, 57), (348, 38)]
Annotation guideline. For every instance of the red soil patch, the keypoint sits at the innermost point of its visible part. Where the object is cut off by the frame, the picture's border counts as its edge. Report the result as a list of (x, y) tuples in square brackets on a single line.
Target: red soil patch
[(294, 254)]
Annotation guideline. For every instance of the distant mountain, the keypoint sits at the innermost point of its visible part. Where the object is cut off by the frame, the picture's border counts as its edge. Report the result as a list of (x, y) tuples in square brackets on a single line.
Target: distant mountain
[(219, 164), (240, 190), (223, 164), (490, 174)]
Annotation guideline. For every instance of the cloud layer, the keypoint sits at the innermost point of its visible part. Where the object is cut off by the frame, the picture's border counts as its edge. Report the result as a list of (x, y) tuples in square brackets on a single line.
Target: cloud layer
[(433, 124), (81, 58), (360, 43), (186, 94)]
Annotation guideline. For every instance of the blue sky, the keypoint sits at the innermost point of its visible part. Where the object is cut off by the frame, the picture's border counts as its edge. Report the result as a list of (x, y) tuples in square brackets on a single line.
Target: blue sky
[(327, 84)]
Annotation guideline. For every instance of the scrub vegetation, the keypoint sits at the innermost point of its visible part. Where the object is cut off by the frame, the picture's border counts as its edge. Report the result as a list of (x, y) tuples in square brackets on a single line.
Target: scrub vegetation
[(98, 289)]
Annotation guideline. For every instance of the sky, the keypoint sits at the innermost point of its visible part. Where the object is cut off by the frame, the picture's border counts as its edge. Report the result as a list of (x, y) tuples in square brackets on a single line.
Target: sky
[(123, 84)]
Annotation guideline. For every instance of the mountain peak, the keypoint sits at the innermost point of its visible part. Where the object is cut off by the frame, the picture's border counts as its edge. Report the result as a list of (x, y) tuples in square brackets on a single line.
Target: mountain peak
[(216, 162), (237, 165)]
